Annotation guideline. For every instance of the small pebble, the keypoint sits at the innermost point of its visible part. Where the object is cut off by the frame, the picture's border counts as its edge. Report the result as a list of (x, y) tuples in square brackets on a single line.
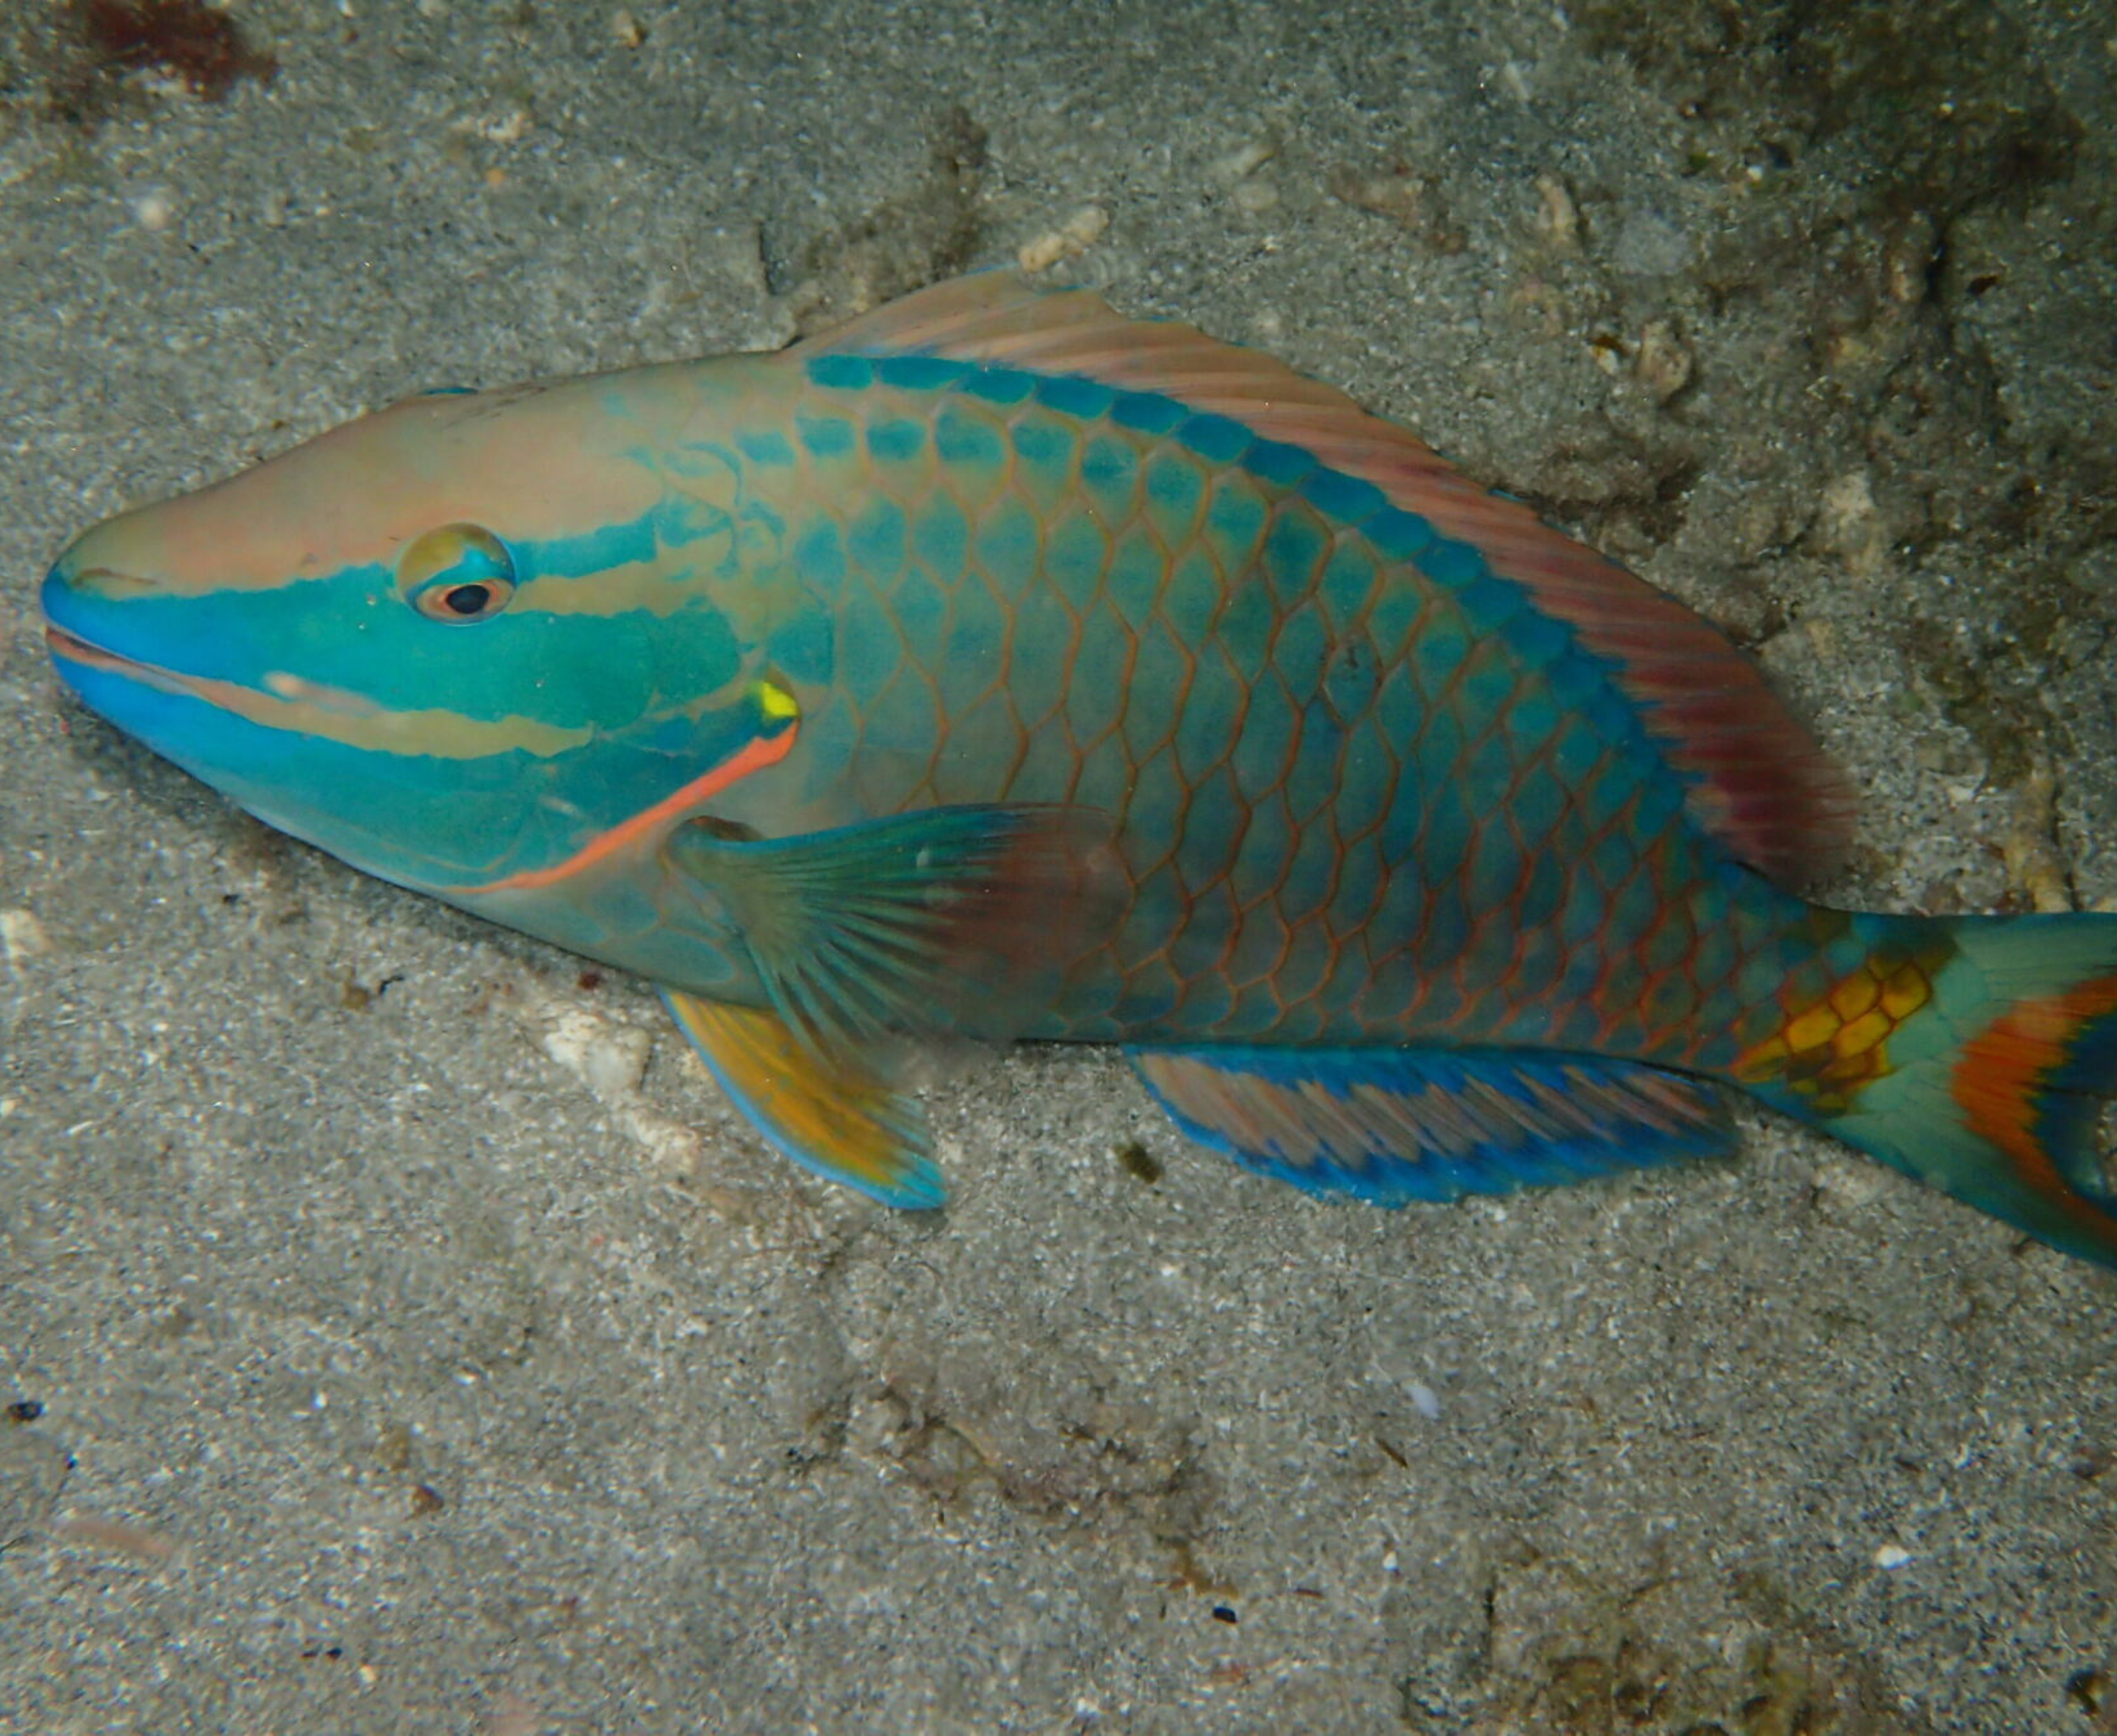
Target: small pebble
[(1238, 164), (1907, 261), (2036, 871), (1889, 1558), (1398, 197), (1663, 363), (134, 1540), (1556, 215), (611, 1059), (1850, 525), (1648, 244), (508, 129), (513, 1716), (1071, 239), (153, 211), (22, 937)]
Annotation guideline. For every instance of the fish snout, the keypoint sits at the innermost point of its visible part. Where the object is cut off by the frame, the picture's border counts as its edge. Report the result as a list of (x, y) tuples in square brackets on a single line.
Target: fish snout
[(84, 595), (107, 562)]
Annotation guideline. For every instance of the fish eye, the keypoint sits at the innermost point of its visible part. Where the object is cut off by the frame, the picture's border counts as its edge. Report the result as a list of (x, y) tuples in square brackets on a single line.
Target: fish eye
[(459, 573)]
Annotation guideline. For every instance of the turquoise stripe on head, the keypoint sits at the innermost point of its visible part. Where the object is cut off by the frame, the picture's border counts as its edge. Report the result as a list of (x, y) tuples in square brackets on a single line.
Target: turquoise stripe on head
[(420, 820), (352, 633)]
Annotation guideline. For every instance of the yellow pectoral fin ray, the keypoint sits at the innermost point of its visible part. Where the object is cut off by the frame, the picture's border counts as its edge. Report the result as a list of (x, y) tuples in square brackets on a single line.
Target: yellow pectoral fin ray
[(823, 1113)]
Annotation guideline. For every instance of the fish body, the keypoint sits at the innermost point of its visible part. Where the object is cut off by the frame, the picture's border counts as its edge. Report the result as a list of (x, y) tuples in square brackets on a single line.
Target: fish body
[(997, 666)]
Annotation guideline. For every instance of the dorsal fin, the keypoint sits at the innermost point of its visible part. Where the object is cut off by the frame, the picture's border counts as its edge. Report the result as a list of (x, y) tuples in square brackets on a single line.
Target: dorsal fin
[(1760, 784)]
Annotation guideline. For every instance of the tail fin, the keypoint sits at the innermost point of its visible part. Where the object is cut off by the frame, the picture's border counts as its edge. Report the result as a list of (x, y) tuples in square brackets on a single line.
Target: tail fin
[(1993, 1090)]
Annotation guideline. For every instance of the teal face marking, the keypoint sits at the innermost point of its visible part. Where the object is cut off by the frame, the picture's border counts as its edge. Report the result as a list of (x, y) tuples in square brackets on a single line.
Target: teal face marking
[(475, 710)]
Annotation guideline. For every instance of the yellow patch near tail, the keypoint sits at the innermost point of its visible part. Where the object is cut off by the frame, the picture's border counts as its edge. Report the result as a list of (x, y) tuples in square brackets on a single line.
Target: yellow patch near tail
[(1829, 1049)]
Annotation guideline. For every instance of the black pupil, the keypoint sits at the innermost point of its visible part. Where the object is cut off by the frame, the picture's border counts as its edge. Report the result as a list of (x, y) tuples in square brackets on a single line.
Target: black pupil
[(467, 598)]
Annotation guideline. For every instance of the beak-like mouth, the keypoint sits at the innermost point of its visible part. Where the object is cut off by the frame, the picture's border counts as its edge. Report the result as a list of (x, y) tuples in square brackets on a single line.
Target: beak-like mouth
[(71, 648), (75, 648)]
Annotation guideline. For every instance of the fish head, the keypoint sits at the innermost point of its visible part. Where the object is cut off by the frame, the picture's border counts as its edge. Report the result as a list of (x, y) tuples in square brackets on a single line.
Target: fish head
[(454, 643)]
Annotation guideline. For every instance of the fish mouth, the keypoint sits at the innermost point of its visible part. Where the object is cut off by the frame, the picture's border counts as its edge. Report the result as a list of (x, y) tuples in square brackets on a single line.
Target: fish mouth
[(68, 647), (71, 647), (77, 649)]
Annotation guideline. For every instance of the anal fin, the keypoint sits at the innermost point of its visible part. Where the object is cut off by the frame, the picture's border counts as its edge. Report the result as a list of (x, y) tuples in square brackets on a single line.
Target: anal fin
[(1394, 1126), (826, 1112)]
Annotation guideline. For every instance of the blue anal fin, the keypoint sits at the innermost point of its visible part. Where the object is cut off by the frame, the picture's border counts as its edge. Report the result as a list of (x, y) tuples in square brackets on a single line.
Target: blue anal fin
[(1394, 1126)]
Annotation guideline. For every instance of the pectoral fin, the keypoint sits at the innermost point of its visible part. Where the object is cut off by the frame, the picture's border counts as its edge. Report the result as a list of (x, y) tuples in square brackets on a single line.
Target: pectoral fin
[(957, 920), (827, 1116), (1392, 1125)]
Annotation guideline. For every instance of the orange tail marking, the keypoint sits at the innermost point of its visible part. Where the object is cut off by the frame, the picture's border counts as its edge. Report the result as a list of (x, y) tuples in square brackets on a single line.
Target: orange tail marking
[(2002, 1071)]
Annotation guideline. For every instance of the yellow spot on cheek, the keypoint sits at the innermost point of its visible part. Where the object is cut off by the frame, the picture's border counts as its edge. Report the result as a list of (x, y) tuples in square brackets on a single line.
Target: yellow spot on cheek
[(775, 701)]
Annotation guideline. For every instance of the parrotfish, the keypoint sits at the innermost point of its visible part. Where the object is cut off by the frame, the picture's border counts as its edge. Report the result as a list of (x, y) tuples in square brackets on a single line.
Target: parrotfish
[(997, 666)]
